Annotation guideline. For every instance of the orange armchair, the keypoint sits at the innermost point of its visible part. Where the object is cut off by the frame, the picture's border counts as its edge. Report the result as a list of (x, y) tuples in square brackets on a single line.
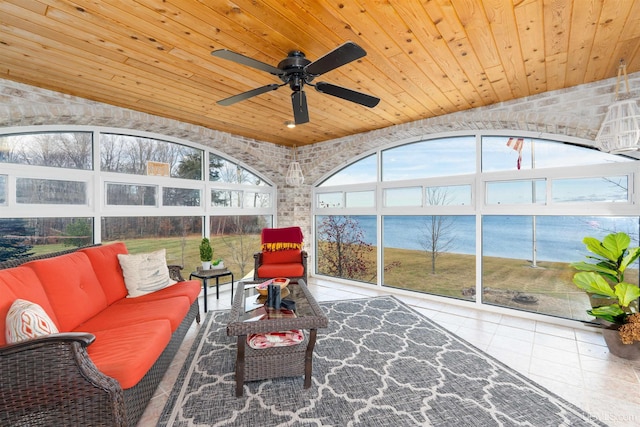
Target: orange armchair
[(281, 255)]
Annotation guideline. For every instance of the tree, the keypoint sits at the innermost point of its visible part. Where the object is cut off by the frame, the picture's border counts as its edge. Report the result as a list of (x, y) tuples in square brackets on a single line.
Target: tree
[(342, 251), (13, 239), (81, 231), (190, 166), (239, 234), (436, 233)]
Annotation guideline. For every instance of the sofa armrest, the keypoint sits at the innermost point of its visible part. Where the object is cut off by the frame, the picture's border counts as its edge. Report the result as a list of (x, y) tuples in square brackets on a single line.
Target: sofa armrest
[(52, 381), (174, 272)]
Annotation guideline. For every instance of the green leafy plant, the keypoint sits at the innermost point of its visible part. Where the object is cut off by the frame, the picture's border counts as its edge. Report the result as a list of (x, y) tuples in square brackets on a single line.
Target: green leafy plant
[(603, 277), (206, 251)]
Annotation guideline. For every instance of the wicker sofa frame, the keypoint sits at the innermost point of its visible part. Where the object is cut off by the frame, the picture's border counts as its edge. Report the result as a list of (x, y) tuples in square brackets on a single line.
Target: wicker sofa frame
[(52, 381)]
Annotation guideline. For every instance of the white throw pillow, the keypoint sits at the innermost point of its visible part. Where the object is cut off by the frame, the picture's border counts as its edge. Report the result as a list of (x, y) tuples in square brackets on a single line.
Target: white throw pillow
[(27, 320), (145, 273)]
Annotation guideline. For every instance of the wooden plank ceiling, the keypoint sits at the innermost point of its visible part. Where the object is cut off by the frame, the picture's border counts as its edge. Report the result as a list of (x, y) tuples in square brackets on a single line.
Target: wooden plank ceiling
[(424, 58)]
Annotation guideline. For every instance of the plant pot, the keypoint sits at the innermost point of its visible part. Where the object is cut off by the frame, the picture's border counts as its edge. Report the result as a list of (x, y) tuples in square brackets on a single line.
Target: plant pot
[(615, 345), (219, 266), (206, 265)]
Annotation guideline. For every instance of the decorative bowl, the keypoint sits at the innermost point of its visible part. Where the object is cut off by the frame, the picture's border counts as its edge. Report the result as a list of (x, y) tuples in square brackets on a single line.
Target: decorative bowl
[(262, 287)]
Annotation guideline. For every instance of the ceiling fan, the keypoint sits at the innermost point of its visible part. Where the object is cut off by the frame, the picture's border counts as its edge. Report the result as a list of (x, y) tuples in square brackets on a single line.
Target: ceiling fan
[(297, 71)]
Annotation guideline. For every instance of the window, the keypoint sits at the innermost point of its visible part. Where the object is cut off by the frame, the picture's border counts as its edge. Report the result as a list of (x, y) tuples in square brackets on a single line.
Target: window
[(605, 189), (434, 254), (345, 247), (424, 159), (23, 237), (361, 171), (517, 192), (72, 150), (50, 192), (500, 153), (536, 200), (148, 156), (172, 196), (222, 170), (131, 194), (526, 260), (145, 190), (3, 189)]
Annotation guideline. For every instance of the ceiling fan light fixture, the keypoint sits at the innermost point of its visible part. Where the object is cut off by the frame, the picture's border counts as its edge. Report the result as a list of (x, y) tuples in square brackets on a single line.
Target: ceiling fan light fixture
[(620, 130), (294, 176)]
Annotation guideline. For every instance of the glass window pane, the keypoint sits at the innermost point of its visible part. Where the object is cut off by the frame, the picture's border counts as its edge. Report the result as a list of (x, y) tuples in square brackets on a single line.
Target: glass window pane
[(23, 237), (72, 150), (329, 200), (526, 260), (172, 196), (360, 199), (3, 189), (146, 156), (438, 157), (448, 195), (436, 256), (51, 192), (253, 199), (501, 153), (226, 198), (180, 236), (222, 170), (131, 195), (345, 247), (411, 196), (517, 192), (605, 189), (235, 239), (362, 171)]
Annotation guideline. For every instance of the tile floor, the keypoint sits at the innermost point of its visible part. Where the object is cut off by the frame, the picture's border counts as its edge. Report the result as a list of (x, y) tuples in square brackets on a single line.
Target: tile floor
[(573, 363)]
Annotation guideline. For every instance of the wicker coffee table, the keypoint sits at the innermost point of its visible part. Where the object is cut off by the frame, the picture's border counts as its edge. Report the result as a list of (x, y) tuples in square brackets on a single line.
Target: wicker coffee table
[(275, 362)]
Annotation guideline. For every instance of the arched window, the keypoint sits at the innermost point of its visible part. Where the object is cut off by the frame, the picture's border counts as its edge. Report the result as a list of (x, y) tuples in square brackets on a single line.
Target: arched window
[(76, 186), (493, 219)]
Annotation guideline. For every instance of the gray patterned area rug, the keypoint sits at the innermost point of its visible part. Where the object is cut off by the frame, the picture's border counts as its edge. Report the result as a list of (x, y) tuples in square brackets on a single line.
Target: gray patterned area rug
[(378, 364)]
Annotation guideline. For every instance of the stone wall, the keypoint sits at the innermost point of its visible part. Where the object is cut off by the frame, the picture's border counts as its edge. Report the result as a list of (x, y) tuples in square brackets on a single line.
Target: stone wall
[(575, 112)]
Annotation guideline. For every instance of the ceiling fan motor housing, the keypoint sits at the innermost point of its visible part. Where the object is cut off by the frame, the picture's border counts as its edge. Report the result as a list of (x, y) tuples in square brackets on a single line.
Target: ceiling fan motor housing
[(293, 67)]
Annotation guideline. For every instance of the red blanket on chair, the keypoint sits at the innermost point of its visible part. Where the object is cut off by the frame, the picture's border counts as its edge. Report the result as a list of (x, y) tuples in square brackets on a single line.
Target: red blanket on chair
[(276, 239)]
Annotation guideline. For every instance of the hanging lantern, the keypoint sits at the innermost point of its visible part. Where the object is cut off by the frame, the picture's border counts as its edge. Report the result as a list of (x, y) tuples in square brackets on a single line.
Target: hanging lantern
[(620, 130), (294, 176)]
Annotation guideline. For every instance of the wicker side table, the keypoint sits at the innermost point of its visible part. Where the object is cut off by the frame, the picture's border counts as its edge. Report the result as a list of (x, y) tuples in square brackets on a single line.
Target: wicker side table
[(259, 364)]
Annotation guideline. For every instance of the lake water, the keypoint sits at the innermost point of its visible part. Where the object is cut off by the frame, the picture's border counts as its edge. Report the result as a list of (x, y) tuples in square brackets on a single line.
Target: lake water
[(558, 238)]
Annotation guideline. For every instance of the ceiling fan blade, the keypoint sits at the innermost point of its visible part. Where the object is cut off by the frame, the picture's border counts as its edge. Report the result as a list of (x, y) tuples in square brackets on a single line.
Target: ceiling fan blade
[(248, 94), (347, 94), (245, 60), (338, 57), (300, 111)]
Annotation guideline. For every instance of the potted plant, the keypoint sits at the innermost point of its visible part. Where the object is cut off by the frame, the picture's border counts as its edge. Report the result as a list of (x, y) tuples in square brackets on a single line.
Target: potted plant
[(614, 301), (206, 253)]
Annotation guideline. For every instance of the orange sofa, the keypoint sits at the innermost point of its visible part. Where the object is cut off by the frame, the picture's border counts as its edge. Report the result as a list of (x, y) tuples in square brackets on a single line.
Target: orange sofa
[(104, 365)]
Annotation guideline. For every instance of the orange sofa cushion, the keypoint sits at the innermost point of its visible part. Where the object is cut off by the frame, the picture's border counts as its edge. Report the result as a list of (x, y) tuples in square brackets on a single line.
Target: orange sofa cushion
[(72, 287), (282, 257), (281, 270), (123, 313), (21, 282), (127, 353), (104, 260), (188, 288)]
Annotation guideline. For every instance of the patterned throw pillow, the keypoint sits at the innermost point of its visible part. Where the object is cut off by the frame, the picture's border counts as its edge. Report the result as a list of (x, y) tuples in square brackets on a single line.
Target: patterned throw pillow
[(145, 273), (27, 320)]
